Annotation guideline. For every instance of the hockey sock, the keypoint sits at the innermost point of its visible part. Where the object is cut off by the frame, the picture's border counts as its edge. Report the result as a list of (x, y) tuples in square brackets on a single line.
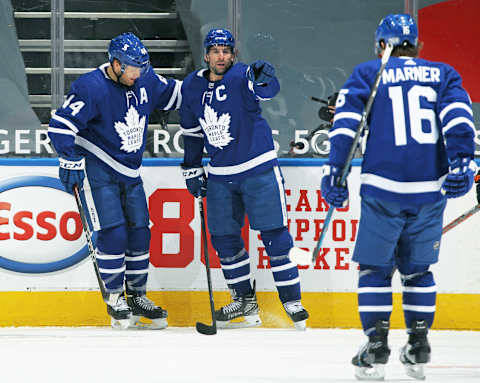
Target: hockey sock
[(111, 257), (278, 243), (235, 263), (112, 270), (374, 296), (419, 297), (136, 272), (137, 259)]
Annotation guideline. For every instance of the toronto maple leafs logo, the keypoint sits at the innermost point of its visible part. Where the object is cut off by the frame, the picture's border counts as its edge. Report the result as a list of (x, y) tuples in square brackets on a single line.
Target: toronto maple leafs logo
[(216, 128), (131, 132)]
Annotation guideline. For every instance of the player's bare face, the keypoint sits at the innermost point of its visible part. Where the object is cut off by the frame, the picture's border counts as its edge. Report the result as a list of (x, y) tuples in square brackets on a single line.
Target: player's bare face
[(219, 59), (130, 75)]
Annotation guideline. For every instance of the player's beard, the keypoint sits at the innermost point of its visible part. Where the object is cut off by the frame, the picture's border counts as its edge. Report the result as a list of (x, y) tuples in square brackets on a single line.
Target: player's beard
[(224, 70)]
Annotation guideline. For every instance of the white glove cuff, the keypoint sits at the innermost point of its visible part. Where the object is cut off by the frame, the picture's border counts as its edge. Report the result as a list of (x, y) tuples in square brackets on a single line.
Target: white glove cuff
[(72, 165), (473, 166)]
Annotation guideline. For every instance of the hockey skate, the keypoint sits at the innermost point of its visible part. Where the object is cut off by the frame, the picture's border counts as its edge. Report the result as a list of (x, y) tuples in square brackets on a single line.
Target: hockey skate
[(371, 359), (245, 307), (141, 306), (416, 352), (297, 314), (119, 312)]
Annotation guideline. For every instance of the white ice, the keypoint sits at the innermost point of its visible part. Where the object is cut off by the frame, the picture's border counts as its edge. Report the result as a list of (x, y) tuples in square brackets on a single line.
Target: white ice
[(101, 355)]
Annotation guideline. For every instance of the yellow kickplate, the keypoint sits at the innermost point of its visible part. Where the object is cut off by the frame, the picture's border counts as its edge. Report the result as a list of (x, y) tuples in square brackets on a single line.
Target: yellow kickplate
[(185, 308)]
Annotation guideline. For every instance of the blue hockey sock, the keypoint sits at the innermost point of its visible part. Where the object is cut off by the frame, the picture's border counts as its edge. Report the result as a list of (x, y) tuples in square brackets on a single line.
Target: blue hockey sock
[(111, 257), (278, 243), (374, 296), (419, 297), (137, 259), (235, 263)]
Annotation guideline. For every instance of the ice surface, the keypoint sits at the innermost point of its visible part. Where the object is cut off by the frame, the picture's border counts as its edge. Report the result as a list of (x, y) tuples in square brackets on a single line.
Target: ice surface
[(100, 355)]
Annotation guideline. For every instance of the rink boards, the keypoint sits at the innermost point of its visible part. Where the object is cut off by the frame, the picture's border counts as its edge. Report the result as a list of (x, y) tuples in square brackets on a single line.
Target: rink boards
[(46, 277)]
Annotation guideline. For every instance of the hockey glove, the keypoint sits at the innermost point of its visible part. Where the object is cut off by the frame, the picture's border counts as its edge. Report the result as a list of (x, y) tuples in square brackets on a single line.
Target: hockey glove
[(196, 180), (71, 172), (459, 179), (260, 72), (335, 196)]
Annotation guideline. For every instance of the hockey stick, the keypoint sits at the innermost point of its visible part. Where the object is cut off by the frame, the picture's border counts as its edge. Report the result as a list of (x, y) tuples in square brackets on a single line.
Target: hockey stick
[(346, 167), (203, 328), (460, 219), (107, 297)]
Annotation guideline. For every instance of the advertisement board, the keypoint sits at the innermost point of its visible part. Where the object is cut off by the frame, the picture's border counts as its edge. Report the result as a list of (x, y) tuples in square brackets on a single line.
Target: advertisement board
[(43, 248)]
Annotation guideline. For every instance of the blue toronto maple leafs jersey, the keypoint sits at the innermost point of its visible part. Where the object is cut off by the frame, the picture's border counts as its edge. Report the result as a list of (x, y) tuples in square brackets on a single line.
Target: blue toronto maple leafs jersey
[(103, 119), (225, 117), (420, 119)]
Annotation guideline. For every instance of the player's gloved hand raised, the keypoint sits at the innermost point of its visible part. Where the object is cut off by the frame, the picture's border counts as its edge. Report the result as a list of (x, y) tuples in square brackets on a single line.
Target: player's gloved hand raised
[(336, 196), (71, 172), (260, 72), (459, 179), (195, 179)]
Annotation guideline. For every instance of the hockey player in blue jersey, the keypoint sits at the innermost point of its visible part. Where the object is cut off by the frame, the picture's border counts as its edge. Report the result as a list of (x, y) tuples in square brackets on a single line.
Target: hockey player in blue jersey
[(221, 112), (99, 134), (419, 152)]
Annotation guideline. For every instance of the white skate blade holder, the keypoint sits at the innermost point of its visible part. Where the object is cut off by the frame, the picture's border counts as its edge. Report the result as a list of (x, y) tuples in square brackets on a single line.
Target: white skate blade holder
[(249, 321), (300, 325), (376, 372), (120, 324), (300, 256), (156, 324), (415, 371)]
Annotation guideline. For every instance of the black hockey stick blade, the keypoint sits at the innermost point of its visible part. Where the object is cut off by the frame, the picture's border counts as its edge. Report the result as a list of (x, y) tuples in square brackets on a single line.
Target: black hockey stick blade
[(205, 329)]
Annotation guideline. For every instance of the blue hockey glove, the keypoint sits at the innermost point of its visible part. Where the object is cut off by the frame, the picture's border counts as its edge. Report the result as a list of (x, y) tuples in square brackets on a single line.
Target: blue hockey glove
[(260, 72), (196, 180), (71, 172), (459, 179), (335, 196)]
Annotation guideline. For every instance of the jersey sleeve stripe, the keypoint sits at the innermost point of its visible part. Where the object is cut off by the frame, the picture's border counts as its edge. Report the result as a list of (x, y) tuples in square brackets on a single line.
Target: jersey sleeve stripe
[(455, 105), (175, 95), (401, 187), (61, 131), (351, 115), (342, 131), (65, 122), (179, 97), (458, 121)]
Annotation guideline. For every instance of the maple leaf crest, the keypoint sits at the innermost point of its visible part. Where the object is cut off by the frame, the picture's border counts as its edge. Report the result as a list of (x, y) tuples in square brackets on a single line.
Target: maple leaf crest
[(216, 129), (131, 132)]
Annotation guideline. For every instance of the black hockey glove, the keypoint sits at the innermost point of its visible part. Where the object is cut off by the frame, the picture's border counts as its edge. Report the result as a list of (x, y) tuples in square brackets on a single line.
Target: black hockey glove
[(195, 179), (260, 72), (477, 181)]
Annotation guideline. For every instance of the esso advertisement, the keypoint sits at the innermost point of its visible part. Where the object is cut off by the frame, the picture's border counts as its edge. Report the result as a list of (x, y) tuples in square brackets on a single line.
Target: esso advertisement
[(40, 228)]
